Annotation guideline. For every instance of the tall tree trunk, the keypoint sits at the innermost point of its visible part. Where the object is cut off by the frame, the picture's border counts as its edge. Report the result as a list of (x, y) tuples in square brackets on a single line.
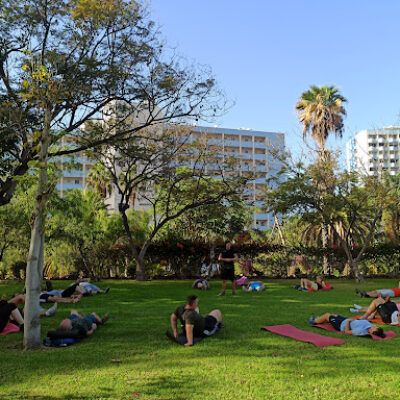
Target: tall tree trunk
[(34, 272), (137, 257), (325, 262)]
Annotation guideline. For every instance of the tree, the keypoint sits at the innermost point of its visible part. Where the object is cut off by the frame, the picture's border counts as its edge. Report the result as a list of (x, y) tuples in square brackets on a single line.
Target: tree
[(209, 223), (62, 63), (156, 167), (354, 203), (321, 112)]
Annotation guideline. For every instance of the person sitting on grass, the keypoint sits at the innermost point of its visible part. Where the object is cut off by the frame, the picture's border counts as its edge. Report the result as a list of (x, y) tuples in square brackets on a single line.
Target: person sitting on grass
[(387, 309), (201, 284), (306, 284), (9, 309), (87, 288), (195, 325), (354, 327), (380, 292), (256, 286), (84, 325)]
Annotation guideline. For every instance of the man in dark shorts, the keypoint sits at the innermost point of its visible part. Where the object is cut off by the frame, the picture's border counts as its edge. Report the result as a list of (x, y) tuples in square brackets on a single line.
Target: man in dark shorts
[(388, 310), (84, 325), (228, 270), (349, 326), (9, 309), (195, 325)]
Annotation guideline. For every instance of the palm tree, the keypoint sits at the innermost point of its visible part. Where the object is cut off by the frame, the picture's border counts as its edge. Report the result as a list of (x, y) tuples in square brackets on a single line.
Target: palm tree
[(100, 180), (320, 110)]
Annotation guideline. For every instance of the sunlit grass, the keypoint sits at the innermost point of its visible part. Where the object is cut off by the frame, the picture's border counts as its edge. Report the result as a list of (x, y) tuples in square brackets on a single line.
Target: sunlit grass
[(131, 358)]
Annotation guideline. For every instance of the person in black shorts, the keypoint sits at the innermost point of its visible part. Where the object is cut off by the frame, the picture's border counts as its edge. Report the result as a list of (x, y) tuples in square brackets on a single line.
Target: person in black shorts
[(194, 324), (228, 270), (9, 309)]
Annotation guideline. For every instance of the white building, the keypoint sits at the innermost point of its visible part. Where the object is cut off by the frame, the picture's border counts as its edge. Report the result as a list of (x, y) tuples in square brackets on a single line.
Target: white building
[(254, 151), (373, 151)]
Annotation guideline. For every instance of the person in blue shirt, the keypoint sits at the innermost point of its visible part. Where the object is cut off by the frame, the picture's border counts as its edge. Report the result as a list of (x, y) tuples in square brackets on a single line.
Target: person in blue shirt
[(256, 286), (349, 326)]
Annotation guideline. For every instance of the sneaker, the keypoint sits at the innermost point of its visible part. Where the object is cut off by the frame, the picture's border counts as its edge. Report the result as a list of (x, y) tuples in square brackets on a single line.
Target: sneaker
[(354, 310), (107, 290), (296, 286), (222, 294), (51, 311), (304, 289), (311, 320), (357, 306), (105, 319)]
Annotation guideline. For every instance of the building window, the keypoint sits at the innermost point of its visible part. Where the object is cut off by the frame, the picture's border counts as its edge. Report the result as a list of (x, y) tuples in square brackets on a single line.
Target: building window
[(76, 181)]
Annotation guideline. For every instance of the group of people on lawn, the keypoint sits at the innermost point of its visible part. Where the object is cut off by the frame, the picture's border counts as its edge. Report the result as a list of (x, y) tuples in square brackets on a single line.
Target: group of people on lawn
[(9, 311), (193, 323), (188, 314)]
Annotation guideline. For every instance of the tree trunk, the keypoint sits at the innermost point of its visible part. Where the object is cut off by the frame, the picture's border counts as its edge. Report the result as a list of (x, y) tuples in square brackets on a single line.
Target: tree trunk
[(34, 271), (325, 263), (137, 257), (140, 269), (357, 274)]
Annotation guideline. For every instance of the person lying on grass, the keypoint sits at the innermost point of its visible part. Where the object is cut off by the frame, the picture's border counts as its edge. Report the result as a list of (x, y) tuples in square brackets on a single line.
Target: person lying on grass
[(354, 327), (9, 309), (87, 289), (388, 310), (194, 324), (84, 325), (60, 295), (43, 312), (256, 286), (201, 284), (306, 284), (380, 292)]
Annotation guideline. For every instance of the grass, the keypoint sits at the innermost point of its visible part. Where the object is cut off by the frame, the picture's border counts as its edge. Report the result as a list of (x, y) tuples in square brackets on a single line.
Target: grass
[(130, 357)]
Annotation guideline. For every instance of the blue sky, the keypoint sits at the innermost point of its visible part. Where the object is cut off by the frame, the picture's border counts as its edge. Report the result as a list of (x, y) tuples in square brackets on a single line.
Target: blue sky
[(265, 53)]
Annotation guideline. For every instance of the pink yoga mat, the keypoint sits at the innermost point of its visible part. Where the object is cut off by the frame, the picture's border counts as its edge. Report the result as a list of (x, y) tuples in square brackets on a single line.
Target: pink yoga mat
[(10, 328), (303, 336), (329, 327)]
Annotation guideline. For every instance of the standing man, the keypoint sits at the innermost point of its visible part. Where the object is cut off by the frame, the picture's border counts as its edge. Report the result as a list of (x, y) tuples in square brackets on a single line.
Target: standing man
[(228, 269)]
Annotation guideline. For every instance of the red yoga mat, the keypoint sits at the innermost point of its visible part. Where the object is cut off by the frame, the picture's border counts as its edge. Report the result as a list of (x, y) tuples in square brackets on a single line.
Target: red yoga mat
[(10, 328), (303, 336), (329, 327)]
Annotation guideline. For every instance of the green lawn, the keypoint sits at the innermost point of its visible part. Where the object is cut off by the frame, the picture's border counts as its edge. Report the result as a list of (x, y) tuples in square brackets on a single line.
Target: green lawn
[(240, 362)]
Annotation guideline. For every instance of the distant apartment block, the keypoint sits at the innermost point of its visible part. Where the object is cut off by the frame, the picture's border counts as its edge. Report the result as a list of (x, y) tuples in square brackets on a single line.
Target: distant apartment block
[(373, 151), (75, 177), (255, 152)]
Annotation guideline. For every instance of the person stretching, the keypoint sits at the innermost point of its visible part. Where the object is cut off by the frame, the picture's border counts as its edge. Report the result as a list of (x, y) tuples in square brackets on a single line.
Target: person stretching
[(380, 292), (84, 325), (354, 327), (201, 284), (306, 284), (388, 310), (195, 324), (8, 309), (256, 286)]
